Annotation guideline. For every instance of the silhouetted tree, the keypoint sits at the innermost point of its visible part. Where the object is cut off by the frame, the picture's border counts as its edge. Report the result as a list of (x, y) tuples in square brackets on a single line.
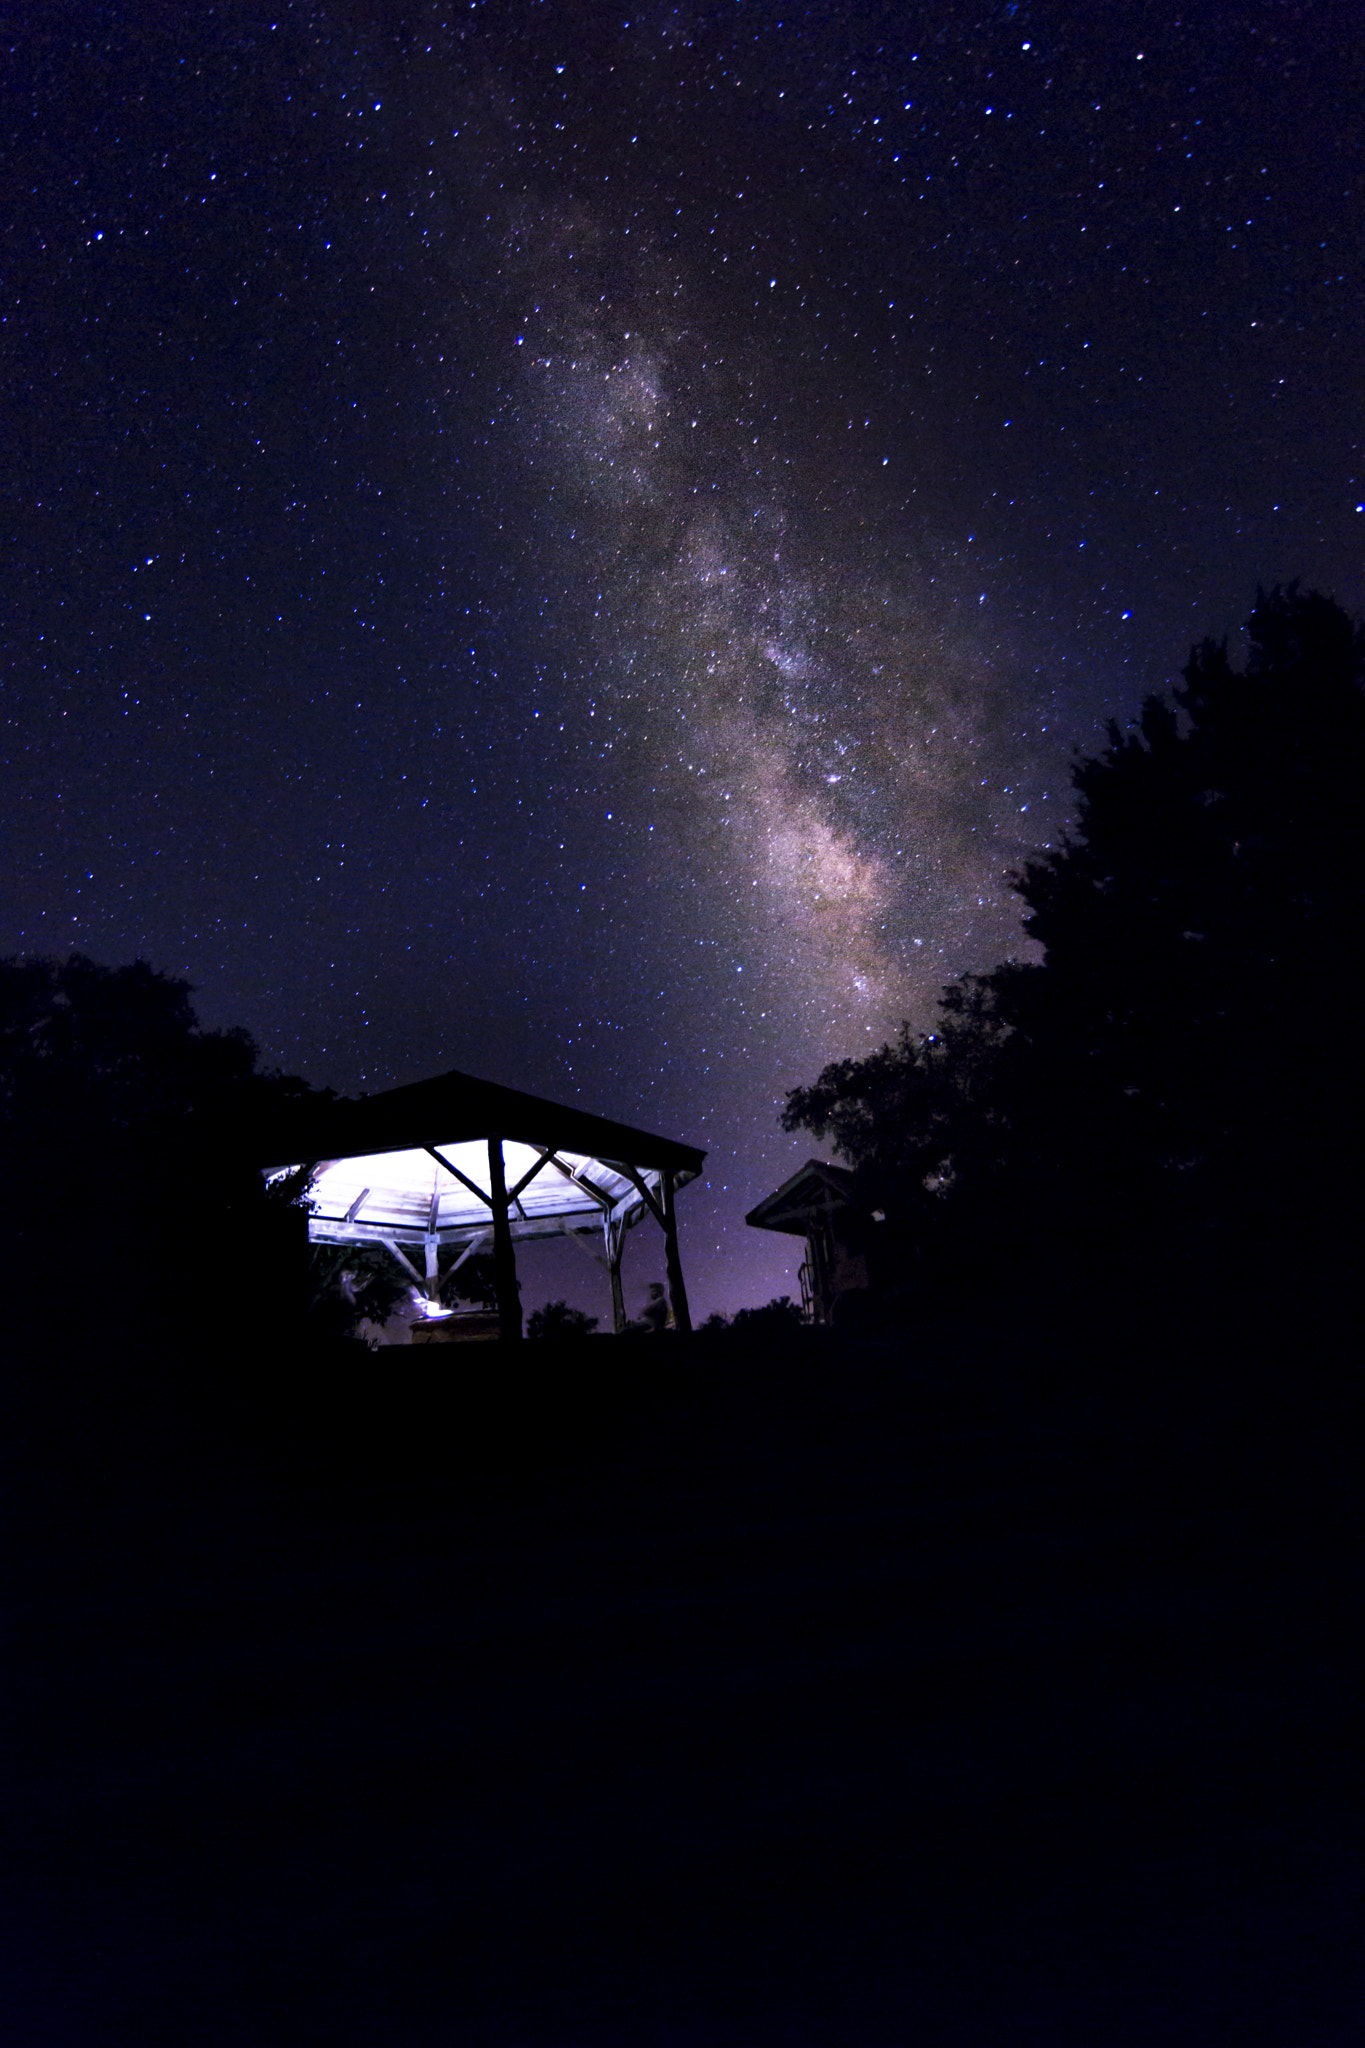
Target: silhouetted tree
[(1185, 1047), (920, 1120), (1173, 1082), (132, 1192)]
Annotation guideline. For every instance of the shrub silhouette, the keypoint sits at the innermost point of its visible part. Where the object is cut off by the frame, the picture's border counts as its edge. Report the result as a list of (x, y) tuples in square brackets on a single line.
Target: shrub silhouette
[(557, 1320)]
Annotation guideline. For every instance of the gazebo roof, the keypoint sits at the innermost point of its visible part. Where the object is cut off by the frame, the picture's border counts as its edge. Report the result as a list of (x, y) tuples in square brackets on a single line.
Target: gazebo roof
[(413, 1163), (454, 1107)]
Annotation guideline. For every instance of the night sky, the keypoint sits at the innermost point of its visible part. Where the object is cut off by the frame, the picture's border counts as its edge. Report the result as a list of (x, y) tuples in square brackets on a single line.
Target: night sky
[(578, 543)]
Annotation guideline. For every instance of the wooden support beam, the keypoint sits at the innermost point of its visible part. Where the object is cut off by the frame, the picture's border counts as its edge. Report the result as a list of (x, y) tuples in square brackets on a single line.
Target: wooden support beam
[(453, 1236), (580, 1181), (391, 1245), (463, 1178), (479, 1237), (614, 1234), (656, 1208), (433, 1212), (677, 1293), (628, 1211), (615, 1208), (579, 1238), (528, 1176), (443, 1279), (357, 1205), (504, 1257)]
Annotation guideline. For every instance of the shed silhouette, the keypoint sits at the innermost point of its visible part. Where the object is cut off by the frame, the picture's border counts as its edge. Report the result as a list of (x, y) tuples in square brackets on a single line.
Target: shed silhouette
[(818, 1203)]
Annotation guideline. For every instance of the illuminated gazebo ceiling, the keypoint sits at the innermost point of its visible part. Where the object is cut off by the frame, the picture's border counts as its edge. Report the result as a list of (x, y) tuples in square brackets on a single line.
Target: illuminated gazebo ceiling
[(446, 1190), (456, 1164)]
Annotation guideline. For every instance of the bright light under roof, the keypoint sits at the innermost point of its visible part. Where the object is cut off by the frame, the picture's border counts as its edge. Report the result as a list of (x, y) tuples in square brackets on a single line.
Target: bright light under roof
[(412, 1194)]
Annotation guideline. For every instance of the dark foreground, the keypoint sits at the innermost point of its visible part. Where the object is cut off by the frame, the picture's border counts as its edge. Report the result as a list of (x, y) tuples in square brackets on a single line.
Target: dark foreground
[(915, 1691)]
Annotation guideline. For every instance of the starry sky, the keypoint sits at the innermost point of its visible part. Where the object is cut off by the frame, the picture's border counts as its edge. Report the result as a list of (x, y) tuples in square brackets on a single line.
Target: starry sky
[(579, 542)]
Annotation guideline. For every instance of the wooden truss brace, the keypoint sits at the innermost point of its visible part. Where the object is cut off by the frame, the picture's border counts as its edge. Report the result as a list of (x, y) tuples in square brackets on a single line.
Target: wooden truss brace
[(613, 1234), (580, 1238), (513, 1194), (528, 1176), (435, 1278), (391, 1244), (431, 1280), (645, 1191), (479, 1237), (663, 1211), (579, 1180), (463, 1178)]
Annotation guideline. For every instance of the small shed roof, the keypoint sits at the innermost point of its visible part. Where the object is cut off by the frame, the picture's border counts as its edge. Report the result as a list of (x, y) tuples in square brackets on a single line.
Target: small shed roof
[(813, 1191)]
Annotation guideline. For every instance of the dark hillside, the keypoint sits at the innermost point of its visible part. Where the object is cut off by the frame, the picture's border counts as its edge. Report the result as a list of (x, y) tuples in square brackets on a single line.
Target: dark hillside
[(982, 1685)]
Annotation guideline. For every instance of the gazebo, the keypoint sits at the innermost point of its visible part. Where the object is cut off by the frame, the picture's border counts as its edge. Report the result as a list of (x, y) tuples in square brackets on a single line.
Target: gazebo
[(439, 1170)]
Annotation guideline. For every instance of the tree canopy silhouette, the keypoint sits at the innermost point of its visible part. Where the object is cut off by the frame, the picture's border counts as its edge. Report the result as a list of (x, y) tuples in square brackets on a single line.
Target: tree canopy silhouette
[(126, 1129), (1175, 1077)]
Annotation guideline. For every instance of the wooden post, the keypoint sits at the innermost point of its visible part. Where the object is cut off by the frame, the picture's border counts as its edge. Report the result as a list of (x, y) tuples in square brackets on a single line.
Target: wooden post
[(616, 1237), (504, 1258), (677, 1293)]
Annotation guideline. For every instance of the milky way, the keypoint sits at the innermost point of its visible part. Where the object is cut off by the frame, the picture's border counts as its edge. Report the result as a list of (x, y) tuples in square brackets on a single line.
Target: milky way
[(816, 730), (579, 544)]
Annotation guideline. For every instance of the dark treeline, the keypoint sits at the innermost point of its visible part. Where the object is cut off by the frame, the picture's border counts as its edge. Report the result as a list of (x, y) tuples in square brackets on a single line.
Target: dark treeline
[(132, 1206), (1166, 1106)]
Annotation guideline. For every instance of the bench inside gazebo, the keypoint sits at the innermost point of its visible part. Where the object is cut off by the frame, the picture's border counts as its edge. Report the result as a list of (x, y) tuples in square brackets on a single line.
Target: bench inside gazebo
[(444, 1168)]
